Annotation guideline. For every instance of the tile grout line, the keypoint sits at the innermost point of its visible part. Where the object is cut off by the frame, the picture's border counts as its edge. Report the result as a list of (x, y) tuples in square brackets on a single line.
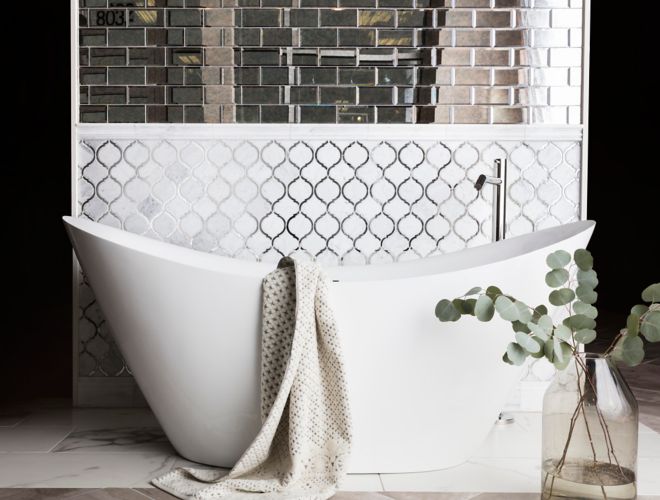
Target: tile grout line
[(61, 440)]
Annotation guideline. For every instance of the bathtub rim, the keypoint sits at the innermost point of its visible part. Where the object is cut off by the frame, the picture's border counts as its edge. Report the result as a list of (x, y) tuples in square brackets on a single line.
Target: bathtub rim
[(483, 255)]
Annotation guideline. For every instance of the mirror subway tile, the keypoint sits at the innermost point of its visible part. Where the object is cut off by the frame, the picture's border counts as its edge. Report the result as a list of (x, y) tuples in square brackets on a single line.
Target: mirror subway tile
[(328, 61)]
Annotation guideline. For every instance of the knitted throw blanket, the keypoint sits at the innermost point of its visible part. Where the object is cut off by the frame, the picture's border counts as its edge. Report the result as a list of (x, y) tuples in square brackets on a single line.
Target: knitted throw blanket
[(302, 447)]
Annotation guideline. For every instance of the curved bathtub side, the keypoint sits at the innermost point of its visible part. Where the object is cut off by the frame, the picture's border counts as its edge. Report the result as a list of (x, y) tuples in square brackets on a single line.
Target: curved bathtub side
[(424, 394), (191, 338)]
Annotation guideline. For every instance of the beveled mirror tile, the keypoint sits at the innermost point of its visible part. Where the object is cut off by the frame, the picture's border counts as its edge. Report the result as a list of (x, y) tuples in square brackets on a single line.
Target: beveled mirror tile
[(126, 76), (184, 95), (107, 57), (473, 38), (146, 95), (152, 56), (394, 114), (193, 114), (472, 76), (319, 76), (338, 17), (509, 115), (275, 114), (396, 76), (355, 114), (303, 95), (165, 114), (318, 114), (470, 114), (126, 114), (491, 96), (376, 95), (247, 114), (93, 114), (494, 19), (377, 18), (337, 95), (270, 45), (400, 38)]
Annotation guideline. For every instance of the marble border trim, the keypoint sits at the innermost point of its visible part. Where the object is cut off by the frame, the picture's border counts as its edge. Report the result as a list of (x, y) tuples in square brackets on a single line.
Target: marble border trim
[(323, 131)]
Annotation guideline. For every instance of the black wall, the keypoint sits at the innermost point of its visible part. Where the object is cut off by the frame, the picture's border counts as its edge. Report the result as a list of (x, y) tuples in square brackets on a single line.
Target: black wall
[(624, 150), (35, 349), (35, 353)]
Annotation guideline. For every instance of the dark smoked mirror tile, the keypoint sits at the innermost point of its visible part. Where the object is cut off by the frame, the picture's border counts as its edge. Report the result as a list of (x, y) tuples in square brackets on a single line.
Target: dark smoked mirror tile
[(355, 114), (92, 37), (126, 114), (274, 114), (247, 114), (318, 114), (93, 114), (107, 95), (92, 76)]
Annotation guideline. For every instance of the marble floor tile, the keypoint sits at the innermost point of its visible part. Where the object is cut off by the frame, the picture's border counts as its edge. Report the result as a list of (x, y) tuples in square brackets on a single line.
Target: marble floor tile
[(361, 482), (10, 418), (119, 440), (648, 476), (155, 494), (92, 418), (485, 474), (41, 493), (510, 441), (24, 439), (81, 470)]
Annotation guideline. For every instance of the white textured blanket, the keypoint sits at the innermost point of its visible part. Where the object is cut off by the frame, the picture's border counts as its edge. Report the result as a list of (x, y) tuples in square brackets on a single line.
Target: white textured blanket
[(302, 447)]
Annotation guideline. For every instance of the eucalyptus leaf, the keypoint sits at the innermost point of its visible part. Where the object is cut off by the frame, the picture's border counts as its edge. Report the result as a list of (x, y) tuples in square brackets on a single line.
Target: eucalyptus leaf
[(651, 293), (583, 259), (472, 291), (558, 352), (538, 330), (639, 309), (651, 326), (524, 312), (468, 306), (586, 309), (507, 310), (558, 259), (563, 355), (632, 350), (506, 359), (588, 278), (632, 324), (519, 326), (561, 297), (516, 353), (586, 294), (585, 336), (446, 311), (579, 322), (541, 352), (540, 311), (562, 332), (493, 292), (527, 342), (556, 278), (549, 349), (484, 309), (459, 304), (546, 323)]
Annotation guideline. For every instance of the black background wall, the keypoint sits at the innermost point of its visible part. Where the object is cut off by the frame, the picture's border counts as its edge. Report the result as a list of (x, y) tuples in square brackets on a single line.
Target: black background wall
[(35, 349)]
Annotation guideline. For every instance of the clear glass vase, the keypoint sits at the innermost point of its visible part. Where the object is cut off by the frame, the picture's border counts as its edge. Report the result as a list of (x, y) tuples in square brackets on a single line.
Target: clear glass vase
[(590, 425)]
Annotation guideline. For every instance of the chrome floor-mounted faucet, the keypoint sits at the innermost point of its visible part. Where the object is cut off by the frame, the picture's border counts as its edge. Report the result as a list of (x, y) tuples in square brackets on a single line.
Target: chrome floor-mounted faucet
[(499, 203)]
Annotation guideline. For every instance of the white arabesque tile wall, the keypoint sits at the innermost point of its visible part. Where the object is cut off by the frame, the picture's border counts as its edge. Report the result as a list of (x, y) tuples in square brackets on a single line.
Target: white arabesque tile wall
[(365, 195)]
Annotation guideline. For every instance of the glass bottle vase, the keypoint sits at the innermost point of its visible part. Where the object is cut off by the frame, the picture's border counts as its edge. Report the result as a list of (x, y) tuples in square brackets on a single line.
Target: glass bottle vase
[(590, 427)]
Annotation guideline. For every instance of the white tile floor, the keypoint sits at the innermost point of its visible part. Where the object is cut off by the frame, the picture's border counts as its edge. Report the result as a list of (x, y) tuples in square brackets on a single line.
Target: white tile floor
[(92, 448)]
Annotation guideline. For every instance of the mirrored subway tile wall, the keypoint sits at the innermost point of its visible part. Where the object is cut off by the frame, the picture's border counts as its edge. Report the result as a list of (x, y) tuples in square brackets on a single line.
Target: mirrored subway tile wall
[(343, 201), (331, 61)]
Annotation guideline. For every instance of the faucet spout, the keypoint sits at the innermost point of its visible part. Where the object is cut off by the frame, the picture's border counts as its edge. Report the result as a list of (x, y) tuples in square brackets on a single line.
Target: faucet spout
[(486, 179)]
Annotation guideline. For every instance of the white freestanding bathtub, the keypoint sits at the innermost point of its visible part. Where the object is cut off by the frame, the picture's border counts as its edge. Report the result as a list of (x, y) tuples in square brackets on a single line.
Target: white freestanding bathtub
[(423, 394)]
